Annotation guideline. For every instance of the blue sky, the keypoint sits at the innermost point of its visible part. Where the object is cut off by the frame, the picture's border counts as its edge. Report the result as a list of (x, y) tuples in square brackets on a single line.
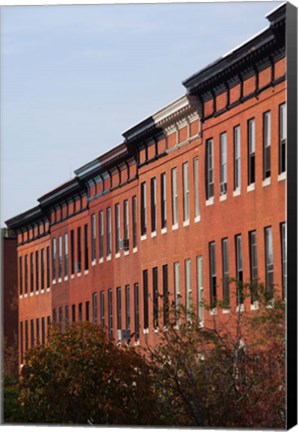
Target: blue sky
[(74, 78)]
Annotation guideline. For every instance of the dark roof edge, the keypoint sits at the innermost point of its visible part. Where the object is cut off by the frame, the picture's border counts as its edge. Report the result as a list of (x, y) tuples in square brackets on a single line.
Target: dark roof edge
[(25, 218)]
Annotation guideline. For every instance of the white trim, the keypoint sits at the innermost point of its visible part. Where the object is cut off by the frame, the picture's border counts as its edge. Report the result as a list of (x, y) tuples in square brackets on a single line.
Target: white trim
[(66, 278), (79, 274), (266, 182), (21, 296), (213, 311), (282, 176), (31, 294), (254, 305), (146, 331), (86, 272), (109, 257), (153, 234), (210, 201), (137, 343), (42, 291), (186, 223), (48, 289), (144, 237), (226, 311), (223, 197), (197, 218), (237, 192), (126, 253), (93, 262), (156, 330), (101, 260), (59, 280), (164, 230), (117, 255), (72, 276), (250, 187), (135, 249), (175, 227), (25, 295), (240, 308), (53, 281)]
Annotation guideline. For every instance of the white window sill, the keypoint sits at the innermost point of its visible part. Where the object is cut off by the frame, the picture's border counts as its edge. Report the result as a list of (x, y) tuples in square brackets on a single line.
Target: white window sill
[(213, 311), (223, 197), (72, 276), (236, 192), (266, 182), (32, 293), (66, 278), (197, 219), (126, 253), (164, 231), (254, 306), (117, 255), (210, 201), (135, 250), (59, 280), (101, 260), (250, 187), (175, 227), (240, 308), (146, 331), (79, 274), (53, 281), (153, 234), (86, 272), (21, 296), (226, 311), (186, 223), (25, 295), (144, 237), (282, 176), (201, 324), (156, 330), (137, 343), (41, 292), (109, 257), (48, 289), (93, 262)]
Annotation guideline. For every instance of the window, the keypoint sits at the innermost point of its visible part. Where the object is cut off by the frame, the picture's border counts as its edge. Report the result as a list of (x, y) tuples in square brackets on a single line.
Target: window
[(43, 330), (134, 221), (87, 310), (174, 197), (196, 187), (155, 297), (66, 316), (65, 255), (31, 273), (48, 324), (143, 209), (153, 204), (251, 150), (212, 263), (117, 228), (93, 237), (177, 285), (269, 262), (37, 332), (73, 311), (102, 309), (187, 265), (119, 309), (282, 137), (266, 144), (136, 311), (209, 169), (94, 307), (225, 272), (80, 312), (223, 164), (54, 259), (26, 274), (32, 333), (86, 249), (239, 270), (109, 232), (42, 268), (110, 313), (60, 317), (26, 336), (79, 252), (237, 160), (185, 192), (165, 294), (48, 267), (283, 233), (72, 264), (60, 257), (127, 307), (22, 341), (36, 270), (101, 234), (21, 275), (200, 288), (253, 265), (145, 293), (163, 200), (126, 220)]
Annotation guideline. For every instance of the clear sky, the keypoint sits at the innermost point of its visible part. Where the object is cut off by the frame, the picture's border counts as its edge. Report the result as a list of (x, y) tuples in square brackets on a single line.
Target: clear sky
[(74, 78)]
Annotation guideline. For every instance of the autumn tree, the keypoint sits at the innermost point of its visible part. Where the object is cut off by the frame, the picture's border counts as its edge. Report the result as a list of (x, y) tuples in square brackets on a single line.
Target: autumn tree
[(80, 377)]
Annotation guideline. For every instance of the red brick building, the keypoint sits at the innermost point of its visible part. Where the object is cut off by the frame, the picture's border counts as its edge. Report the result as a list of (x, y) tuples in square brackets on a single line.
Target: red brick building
[(194, 195)]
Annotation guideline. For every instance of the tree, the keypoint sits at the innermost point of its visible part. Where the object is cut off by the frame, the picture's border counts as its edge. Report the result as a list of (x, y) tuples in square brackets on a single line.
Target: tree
[(229, 372), (79, 377)]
